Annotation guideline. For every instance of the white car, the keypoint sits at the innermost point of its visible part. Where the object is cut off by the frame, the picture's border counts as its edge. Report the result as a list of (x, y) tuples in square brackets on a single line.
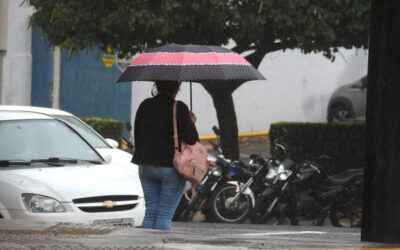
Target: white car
[(108, 148), (49, 173)]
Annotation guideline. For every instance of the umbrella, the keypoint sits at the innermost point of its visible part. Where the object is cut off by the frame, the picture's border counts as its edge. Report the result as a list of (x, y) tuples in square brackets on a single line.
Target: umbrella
[(190, 63)]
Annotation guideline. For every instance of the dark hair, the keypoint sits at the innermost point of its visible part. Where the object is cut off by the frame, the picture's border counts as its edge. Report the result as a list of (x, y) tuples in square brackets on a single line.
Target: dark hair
[(165, 88)]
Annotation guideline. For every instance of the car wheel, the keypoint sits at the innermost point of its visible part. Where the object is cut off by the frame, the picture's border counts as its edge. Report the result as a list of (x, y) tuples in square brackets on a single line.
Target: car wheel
[(340, 114)]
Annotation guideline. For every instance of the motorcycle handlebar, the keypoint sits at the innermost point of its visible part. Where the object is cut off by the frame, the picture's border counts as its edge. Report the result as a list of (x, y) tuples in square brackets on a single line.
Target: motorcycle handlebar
[(216, 147), (216, 130)]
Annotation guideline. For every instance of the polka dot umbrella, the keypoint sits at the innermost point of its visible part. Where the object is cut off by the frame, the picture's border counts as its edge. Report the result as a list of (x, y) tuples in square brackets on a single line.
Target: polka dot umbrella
[(190, 63)]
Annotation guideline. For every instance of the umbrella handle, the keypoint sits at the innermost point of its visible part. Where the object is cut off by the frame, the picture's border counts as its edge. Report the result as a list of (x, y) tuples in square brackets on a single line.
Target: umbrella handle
[(190, 95)]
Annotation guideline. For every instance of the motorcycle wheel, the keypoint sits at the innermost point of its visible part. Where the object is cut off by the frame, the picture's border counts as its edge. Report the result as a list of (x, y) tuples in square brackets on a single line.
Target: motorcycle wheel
[(345, 216), (226, 211), (182, 206), (191, 209), (208, 214), (317, 220), (260, 214)]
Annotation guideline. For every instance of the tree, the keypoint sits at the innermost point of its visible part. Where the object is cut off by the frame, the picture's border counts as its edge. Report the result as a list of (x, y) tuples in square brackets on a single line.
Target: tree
[(257, 27)]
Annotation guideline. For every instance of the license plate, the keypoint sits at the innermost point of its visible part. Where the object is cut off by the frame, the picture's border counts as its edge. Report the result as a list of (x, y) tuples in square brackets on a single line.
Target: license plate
[(124, 222)]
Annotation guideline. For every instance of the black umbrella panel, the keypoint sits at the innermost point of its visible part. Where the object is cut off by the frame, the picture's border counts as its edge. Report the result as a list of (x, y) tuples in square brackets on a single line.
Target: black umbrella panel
[(190, 63)]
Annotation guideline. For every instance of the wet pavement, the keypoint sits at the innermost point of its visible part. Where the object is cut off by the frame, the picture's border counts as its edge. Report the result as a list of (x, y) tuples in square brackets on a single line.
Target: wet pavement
[(17, 234), (32, 235)]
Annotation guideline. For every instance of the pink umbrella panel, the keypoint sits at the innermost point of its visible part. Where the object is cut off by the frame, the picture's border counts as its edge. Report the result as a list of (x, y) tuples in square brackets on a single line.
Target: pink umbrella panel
[(186, 63), (190, 63)]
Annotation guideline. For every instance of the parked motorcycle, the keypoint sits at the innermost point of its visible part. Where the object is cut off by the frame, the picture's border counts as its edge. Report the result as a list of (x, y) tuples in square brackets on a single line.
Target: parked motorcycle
[(215, 177), (126, 144), (234, 201), (347, 212), (301, 192)]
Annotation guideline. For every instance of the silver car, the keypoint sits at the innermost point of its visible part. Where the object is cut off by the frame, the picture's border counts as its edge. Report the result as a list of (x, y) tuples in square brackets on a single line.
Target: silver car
[(348, 102)]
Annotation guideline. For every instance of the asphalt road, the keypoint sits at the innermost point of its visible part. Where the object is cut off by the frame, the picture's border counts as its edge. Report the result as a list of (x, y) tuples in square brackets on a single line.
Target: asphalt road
[(183, 236)]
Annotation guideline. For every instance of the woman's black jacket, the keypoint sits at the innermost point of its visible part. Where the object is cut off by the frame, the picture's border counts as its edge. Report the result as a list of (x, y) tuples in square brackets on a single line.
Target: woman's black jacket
[(154, 131)]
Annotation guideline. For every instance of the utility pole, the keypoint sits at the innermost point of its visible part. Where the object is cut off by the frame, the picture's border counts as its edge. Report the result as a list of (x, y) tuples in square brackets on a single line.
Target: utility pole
[(381, 198)]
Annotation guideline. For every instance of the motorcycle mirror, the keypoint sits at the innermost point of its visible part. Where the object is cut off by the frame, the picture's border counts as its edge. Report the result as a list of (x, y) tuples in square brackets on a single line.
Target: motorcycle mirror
[(280, 146), (128, 126), (216, 130), (324, 158)]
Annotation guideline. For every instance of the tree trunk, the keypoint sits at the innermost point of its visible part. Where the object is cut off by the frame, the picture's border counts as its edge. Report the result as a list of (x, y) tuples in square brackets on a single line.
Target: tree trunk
[(221, 94), (381, 199)]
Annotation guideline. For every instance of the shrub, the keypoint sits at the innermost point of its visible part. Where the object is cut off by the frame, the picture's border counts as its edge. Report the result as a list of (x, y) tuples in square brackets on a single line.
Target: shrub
[(344, 143), (108, 128)]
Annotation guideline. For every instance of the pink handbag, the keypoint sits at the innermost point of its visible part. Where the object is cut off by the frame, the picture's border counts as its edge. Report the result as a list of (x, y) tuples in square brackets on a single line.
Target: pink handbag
[(190, 162)]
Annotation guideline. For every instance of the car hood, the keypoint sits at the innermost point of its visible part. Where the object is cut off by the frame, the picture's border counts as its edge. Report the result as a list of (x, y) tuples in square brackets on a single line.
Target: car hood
[(119, 157), (340, 90), (71, 182)]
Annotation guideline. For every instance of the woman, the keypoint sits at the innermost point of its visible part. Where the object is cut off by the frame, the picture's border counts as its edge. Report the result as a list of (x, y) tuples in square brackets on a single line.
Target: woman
[(154, 151)]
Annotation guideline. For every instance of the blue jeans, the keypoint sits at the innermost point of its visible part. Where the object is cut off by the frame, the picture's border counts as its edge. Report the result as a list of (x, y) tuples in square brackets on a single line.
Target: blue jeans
[(163, 188)]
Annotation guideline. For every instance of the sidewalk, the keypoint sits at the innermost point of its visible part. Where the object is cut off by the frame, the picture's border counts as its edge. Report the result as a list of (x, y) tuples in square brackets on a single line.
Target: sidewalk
[(31, 235)]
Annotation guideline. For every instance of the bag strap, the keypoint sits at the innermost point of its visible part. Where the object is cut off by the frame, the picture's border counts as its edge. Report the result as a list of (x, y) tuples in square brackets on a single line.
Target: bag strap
[(175, 126), (193, 193), (176, 145)]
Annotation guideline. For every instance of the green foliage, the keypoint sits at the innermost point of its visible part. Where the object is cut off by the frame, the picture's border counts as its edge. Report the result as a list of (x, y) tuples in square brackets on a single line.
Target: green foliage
[(344, 143), (259, 26), (108, 128), (254, 26)]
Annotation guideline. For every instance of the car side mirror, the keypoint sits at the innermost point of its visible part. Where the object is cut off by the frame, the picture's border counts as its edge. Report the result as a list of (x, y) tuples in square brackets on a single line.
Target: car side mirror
[(364, 82), (128, 126), (113, 143), (107, 158)]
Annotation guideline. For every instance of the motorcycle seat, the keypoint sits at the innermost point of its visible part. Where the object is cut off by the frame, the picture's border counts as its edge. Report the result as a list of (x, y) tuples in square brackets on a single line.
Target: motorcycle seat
[(352, 171), (327, 186), (332, 192), (340, 180)]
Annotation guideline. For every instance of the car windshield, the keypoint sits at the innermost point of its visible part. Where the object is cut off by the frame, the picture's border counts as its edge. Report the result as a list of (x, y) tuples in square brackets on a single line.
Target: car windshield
[(27, 140), (93, 138)]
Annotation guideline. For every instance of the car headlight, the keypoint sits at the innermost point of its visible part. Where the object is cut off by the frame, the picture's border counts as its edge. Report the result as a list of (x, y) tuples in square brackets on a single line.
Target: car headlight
[(42, 204)]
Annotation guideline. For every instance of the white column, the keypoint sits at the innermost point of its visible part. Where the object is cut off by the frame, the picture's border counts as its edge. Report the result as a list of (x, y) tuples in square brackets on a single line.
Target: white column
[(55, 94), (17, 68)]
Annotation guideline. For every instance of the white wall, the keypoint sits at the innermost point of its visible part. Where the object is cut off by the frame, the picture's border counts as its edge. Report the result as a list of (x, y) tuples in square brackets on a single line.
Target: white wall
[(297, 88), (17, 62)]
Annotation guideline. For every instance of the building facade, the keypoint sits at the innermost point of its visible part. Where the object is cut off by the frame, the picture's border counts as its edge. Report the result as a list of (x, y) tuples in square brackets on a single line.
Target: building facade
[(33, 73)]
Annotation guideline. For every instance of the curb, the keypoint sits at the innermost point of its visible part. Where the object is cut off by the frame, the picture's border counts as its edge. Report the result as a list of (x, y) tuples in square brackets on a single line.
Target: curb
[(240, 135)]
